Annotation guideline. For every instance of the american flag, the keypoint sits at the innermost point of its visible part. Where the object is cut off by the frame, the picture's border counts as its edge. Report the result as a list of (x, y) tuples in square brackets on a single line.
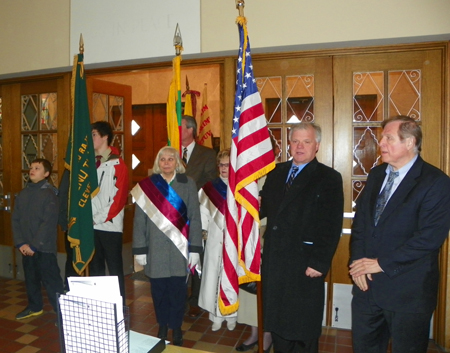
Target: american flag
[(251, 158)]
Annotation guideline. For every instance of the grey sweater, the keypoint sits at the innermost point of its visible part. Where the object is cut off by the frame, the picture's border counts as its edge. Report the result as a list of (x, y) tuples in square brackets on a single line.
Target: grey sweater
[(35, 217)]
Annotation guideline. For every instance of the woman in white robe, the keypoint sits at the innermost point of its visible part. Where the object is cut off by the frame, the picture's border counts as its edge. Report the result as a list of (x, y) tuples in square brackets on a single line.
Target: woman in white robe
[(212, 198)]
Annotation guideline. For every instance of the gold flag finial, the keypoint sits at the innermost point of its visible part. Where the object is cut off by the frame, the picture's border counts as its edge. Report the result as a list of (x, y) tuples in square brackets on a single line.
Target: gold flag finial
[(177, 40), (240, 4), (81, 44)]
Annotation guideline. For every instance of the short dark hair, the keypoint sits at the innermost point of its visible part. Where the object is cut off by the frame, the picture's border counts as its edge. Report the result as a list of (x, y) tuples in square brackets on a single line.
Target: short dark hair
[(191, 123), (45, 163), (408, 128), (103, 128)]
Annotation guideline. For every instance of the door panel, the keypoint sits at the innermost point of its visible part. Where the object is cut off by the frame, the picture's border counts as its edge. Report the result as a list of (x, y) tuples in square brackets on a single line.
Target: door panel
[(305, 83), (112, 102), (350, 96), (34, 115), (150, 138), (367, 90)]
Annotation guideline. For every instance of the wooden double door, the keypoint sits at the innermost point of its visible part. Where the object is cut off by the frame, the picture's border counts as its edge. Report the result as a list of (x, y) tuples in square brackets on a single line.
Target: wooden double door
[(349, 95)]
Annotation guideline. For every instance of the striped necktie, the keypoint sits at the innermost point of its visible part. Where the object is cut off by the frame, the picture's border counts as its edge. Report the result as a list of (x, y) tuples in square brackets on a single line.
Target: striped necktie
[(383, 197), (292, 176), (185, 155)]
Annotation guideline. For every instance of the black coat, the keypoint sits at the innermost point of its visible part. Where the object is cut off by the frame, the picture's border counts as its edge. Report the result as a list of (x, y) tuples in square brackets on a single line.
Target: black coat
[(406, 239), (303, 230)]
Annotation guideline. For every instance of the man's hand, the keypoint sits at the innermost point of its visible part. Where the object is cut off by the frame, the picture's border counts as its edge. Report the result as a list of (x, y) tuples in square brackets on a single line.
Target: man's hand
[(310, 272), (361, 281), (26, 250), (364, 266), (361, 268)]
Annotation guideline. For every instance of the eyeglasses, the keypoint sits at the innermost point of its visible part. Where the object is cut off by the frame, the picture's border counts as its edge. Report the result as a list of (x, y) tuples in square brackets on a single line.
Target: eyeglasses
[(224, 165)]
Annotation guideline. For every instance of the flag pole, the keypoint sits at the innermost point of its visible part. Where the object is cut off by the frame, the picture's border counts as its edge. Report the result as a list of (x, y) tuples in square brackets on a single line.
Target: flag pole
[(178, 44), (81, 51), (240, 4)]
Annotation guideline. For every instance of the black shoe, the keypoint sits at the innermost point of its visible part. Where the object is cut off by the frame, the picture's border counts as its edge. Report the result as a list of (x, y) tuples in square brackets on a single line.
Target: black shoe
[(27, 313), (162, 332), (177, 337), (245, 347)]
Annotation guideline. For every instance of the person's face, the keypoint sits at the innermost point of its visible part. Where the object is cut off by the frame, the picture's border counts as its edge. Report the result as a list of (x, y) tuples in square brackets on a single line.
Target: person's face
[(99, 141), (224, 165), (167, 163), (394, 151), (303, 146), (187, 135), (37, 172)]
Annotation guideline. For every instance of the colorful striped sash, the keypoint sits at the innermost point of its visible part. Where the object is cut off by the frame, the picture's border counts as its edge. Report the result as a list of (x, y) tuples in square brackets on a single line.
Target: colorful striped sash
[(213, 196), (165, 208)]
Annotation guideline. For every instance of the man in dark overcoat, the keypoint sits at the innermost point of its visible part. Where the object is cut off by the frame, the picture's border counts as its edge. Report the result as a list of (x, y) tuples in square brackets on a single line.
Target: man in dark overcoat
[(303, 202)]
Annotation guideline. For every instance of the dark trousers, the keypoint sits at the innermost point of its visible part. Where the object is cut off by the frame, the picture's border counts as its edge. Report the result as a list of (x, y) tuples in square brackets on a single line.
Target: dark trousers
[(281, 345), (108, 248), (372, 327), (169, 298), (69, 270), (42, 268)]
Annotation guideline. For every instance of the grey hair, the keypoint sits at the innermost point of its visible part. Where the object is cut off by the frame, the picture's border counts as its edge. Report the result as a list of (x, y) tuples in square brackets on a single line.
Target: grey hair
[(190, 123), (179, 168), (306, 126)]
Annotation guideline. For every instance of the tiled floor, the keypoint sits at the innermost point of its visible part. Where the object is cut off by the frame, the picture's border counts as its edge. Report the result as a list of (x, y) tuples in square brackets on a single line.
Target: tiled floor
[(39, 334)]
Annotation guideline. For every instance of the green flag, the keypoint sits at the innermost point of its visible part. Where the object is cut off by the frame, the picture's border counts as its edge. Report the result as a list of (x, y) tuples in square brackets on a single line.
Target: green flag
[(80, 160)]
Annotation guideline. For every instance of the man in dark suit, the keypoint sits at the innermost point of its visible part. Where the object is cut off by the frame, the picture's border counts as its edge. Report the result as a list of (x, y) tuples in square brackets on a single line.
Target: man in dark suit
[(395, 243), (202, 167), (304, 224)]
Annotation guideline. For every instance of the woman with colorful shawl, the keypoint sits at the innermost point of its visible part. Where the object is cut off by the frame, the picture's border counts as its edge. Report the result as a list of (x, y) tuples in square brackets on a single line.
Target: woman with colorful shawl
[(167, 237), (212, 208)]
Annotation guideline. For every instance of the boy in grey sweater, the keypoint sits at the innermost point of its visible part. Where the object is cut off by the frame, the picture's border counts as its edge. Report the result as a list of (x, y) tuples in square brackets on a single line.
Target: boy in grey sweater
[(34, 223)]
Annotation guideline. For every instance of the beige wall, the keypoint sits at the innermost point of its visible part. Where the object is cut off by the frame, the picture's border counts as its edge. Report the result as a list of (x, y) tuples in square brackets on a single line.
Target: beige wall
[(34, 35), (295, 22)]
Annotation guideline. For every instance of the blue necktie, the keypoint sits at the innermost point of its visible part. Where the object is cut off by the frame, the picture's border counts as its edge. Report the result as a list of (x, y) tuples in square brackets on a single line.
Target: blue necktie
[(383, 197), (291, 178)]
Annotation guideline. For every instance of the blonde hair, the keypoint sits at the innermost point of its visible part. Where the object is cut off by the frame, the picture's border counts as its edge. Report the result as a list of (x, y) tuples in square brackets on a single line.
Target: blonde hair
[(223, 154), (179, 168)]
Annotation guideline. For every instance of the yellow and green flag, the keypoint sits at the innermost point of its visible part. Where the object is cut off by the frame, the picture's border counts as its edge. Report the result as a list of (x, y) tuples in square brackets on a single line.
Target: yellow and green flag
[(174, 106), (80, 161)]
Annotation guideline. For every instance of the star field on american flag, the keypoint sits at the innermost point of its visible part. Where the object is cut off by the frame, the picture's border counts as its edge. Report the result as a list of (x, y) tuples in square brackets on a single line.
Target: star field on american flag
[(245, 85)]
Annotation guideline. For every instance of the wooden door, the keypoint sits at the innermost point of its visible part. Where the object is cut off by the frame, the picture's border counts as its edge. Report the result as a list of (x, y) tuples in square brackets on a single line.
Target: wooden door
[(34, 124), (298, 90), (294, 90), (151, 135), (367, 90), (111, 102), (349, 96)]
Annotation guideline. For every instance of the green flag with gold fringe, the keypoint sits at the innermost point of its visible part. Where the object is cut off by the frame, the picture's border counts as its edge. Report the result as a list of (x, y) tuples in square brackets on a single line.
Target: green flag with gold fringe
[(80, 161)]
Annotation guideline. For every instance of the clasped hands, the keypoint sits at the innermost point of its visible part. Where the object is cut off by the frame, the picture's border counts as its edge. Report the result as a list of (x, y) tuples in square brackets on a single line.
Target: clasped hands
[(362, 269), (26, 250)]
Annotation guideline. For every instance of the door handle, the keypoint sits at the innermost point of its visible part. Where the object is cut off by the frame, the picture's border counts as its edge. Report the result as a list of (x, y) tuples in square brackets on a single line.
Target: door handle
[(5, 203)]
